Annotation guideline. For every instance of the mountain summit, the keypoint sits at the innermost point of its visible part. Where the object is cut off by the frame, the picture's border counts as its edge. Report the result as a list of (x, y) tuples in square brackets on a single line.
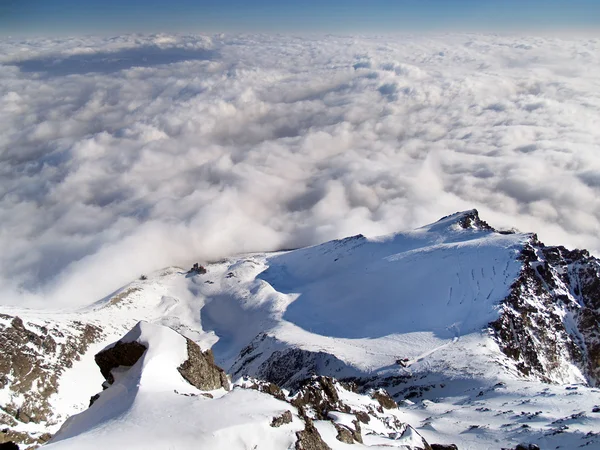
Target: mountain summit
[(485, 338)]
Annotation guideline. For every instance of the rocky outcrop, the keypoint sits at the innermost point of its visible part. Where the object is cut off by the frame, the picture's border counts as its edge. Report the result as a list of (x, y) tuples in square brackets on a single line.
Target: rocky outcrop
[(33, 356), (471, 220), (283, 419), (201, 371), (551, 318), (288, 367), (384, 399), (309, 438), (353, 416), (325, 398), (121, 354)]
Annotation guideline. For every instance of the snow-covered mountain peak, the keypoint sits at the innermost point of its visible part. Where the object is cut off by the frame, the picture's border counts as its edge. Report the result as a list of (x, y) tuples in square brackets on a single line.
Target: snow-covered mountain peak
[(462, 220), (446, 315)]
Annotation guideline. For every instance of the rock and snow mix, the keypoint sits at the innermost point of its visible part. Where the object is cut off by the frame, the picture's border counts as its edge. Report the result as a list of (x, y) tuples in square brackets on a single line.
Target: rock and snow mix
[(486, 339), (163, 392)]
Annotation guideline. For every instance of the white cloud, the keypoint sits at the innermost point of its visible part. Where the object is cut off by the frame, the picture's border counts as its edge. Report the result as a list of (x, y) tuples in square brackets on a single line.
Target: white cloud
[(120, 156)]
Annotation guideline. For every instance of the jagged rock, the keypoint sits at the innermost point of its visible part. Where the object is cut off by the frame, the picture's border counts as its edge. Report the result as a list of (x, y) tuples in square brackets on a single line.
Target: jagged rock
[(93, 399), (289, 368), (344, 434), (444, 447), (201, 371), (554, 284), (362, 417), (384, 399), (19, 437), (309, 438), (471, 219), (33, 355), (268, 388), (284, 418), (120, 354), (319, 394)]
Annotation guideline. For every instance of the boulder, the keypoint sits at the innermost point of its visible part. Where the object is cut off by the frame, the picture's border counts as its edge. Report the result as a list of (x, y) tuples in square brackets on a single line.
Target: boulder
[(201, 371)]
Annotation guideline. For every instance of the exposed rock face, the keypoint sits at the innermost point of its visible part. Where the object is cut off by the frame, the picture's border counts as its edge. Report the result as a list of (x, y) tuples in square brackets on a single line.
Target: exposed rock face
[(471, 220), (287, 368), (552, 314), (310, 439), (344, 434), (320, 398), (201, 371), (384, 399), (121, 354), (286, 417), (33, 356), (326, 399)]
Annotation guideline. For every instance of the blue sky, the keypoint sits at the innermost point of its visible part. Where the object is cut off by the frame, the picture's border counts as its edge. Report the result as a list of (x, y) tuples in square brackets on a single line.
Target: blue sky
[(39, 17)]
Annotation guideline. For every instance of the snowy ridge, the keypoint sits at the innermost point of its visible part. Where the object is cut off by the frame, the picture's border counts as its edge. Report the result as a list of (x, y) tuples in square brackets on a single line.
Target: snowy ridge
[(151, 392), (460, 323)]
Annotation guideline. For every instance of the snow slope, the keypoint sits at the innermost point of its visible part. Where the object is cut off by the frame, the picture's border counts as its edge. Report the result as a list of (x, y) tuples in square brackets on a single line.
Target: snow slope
[(151, 406), (409, 312)]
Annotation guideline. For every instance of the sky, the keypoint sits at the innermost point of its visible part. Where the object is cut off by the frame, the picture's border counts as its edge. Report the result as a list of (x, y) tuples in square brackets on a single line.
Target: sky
[(65, 17)]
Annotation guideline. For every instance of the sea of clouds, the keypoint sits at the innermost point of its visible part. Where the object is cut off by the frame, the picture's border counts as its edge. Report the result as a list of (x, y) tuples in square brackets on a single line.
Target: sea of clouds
[(119, 156)]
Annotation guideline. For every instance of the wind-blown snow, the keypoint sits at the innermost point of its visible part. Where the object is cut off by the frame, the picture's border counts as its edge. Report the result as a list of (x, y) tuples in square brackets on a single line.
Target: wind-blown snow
[(123, 155)]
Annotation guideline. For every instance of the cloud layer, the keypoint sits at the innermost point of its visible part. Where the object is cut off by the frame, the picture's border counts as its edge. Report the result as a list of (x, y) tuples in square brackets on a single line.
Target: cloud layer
[(124, 155)]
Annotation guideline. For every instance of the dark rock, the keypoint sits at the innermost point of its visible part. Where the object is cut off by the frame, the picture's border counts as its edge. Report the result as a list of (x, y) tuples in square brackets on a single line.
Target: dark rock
[(121, 354), (201, 371), (444, 447), (472, 220), (44, 437), (33, 356), (197, 269), (284, 418), (357, 432), (344, 434), (531, 329), (362, 416), (384, 399), (309, 438), (93, 398), (527, 447), (22, 416), (268, 388), (320, 394), (10, 445)]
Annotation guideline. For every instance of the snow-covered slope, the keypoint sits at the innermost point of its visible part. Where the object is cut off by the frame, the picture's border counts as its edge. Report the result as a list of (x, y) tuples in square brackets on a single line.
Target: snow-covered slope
[(462, 321), (163, 393)]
